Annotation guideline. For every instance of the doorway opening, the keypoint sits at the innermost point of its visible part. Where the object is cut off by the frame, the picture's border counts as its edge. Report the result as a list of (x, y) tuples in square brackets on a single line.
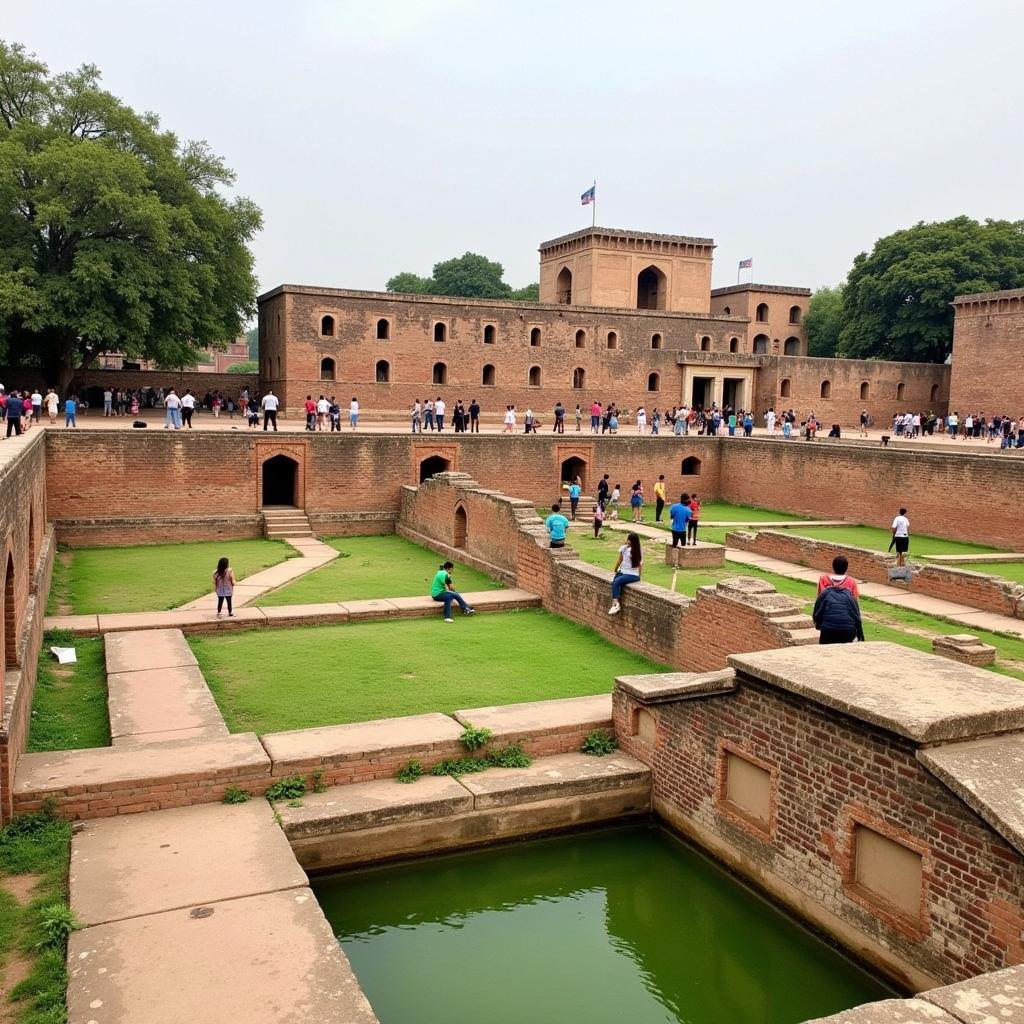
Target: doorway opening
[(280, 477), (461, 524), (572, 468), (650, 289), (734, 393), (701, 391), (434, 464)]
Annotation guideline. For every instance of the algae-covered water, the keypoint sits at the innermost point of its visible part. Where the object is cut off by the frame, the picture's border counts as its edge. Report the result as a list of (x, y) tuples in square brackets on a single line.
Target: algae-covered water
[(622, 925)]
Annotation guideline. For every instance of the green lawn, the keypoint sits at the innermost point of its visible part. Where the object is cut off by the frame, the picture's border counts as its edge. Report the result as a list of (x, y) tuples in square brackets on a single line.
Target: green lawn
[(372, 567), (278, 679), (877, 539), (69, 709), (1007, 570), (152, 577)]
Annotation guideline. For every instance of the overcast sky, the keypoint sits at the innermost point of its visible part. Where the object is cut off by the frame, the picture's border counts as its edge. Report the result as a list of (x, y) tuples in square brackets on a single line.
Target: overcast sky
[(385, 136)]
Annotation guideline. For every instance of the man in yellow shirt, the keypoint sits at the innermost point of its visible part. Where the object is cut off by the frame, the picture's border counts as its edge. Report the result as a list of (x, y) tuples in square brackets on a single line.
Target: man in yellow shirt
[(659, 498)]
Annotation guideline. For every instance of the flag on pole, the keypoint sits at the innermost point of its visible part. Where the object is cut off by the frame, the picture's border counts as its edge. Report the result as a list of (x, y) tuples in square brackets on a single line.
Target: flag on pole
[(747, 264), (588, 197)]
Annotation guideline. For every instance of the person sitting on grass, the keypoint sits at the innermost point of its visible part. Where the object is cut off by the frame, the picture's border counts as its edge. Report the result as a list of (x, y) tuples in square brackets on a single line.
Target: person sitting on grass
[(556, 525), (838, 577), (224, 586), (627, 569), (442, 590)]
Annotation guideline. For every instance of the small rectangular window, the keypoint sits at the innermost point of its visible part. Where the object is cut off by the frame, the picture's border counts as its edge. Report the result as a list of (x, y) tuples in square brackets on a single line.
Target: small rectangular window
[(748, 788), (887, 871)]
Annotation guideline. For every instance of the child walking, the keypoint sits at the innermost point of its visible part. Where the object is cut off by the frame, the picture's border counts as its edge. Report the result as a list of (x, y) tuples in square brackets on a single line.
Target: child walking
[(224, 585), (598, 520)]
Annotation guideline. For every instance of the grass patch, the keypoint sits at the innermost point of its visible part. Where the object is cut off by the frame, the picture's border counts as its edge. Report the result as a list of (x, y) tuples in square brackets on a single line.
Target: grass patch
[(877, 539), (325, 675), (69, 708), (375, 567), (1013, 571), (153, 577), (37, 844)]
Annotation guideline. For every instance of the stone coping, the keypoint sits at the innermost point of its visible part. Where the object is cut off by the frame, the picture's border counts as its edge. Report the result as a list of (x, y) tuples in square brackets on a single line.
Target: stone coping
[(100, 768), (159, 701), (262, 959), (374, 804), (891, 1011), (140, 864), (192, 621), (922, 697), (540, 716), (301, 749), (988, 775), (159, 649), (658, 688)]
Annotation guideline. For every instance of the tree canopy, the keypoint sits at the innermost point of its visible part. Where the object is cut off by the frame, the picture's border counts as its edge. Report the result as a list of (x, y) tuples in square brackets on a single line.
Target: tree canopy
[(114, 235), (469, 275), (824, 320), (896, 303)]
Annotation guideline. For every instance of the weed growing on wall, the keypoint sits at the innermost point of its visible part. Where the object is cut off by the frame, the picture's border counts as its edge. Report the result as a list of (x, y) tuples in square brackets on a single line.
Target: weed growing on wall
[(234, 795), (410, 772), (599, 743), (473, 738), (290, 788)]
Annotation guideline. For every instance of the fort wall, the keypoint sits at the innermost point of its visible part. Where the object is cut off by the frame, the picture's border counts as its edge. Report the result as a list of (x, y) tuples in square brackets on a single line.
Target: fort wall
[(988, 349)]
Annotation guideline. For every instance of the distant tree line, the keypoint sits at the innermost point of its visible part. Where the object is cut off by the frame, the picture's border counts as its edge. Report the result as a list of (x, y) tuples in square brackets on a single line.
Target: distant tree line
[(470, 276)]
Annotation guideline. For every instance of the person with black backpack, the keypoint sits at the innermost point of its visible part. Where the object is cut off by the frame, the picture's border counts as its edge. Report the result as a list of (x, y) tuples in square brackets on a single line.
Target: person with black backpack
[(837, 616)]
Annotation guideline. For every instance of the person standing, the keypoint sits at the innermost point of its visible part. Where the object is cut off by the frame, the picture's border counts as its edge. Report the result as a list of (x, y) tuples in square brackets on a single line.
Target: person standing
[(641, 420), (224, 586), (837, 616), (172, 405), (636, 501), (628, 567), (15, 410), (528, 426), (37, 405), (574, 497), (188, 405), (559, 427), (442, 589), (428, 414), (70, 411), (613, 502), (215, 404), (579, 418), (270, 405), (323, 413), (353, 412), (659, 498), (335, 414), (108, 402), (769, 420), (602, 490), (838, 577), (598, 520), (52, 404), (901, 537), (556, 524), (863, 423), (691, 526), (474, 417), (310, 407), (439, 408), (595, 417), (679, 517), (416, 412), (510, 420)]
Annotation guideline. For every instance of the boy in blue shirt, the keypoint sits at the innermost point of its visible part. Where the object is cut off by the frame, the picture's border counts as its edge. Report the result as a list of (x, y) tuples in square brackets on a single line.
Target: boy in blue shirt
[(556, 525), (574, 498), (70, 409), (679, 515)]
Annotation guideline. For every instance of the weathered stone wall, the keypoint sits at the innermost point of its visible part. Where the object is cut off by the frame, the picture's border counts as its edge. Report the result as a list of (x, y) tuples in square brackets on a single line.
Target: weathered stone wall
[(828, 774), (988, 348)]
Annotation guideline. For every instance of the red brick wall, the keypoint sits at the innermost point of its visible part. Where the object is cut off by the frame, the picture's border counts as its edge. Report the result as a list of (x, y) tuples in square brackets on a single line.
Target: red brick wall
[(834, 480), (988, 344), (830, 773)]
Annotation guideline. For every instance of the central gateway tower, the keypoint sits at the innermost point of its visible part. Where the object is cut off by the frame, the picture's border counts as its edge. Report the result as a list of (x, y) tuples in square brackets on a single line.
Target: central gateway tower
[(627, 270)]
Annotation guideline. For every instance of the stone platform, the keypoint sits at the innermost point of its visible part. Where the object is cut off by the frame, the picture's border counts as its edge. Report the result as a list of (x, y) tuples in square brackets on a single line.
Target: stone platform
[(701, 555)]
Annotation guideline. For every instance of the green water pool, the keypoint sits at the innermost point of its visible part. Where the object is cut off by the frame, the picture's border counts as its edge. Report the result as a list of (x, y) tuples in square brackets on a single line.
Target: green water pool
[(620, 925)]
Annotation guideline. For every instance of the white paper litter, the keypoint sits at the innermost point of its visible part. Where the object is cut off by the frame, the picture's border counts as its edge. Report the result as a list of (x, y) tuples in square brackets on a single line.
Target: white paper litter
[(65, 655)]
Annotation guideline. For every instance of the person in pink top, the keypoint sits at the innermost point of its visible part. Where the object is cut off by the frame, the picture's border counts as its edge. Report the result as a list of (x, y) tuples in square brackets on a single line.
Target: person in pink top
[(838, 577), (595, 417)]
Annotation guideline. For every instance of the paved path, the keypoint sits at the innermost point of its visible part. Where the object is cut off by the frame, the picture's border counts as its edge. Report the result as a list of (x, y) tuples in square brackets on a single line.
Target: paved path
[(896, 596), (313, 554)]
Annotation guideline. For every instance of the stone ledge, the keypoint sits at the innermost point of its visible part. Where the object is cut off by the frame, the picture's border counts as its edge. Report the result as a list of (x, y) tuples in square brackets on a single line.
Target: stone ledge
[(259, 959), (988, 775), (158, 701), (158, 649), (562, 776), (701, 556), (919, 696), (964, 647), (306, 749), (532, 718), (140, 864), (669, 686), (988, 998), (374, 805), (890, 1011)]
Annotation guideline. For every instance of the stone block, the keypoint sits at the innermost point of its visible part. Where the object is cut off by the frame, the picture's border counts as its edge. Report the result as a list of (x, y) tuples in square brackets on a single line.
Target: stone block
[(964, 647), (890, 1011), (516, 721), (699, 556), (998, 996), (662, 687), (153, 649)]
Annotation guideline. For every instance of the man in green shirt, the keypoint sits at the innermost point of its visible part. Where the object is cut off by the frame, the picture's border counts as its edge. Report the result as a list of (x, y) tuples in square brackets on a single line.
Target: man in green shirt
[(441, 590)]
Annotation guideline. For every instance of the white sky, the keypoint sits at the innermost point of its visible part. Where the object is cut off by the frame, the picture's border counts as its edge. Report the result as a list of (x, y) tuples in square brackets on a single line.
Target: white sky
[(380, 137)]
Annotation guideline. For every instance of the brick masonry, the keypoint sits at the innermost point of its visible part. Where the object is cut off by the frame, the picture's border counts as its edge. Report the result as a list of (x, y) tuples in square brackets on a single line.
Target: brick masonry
[(988, 343), (829, 773)]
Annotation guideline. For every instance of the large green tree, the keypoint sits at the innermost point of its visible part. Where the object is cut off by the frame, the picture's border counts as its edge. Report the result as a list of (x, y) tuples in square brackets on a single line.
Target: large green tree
[(824, 320), (896, 300), (114, 235), (469, 275)]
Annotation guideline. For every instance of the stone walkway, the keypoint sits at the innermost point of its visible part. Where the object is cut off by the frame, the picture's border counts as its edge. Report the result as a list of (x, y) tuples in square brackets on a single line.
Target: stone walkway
[(961, 614), (313, 554)]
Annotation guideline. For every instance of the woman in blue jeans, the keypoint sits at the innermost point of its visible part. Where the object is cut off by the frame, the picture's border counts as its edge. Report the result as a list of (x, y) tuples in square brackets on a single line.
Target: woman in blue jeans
[(442, 590), (627, 569)]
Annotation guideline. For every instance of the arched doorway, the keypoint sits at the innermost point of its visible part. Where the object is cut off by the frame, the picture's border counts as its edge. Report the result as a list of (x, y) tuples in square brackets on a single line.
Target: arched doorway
[(434, 464), (10, 617), (280, 479), (563, 286), (461, 528), (650, 289), (572, 468)]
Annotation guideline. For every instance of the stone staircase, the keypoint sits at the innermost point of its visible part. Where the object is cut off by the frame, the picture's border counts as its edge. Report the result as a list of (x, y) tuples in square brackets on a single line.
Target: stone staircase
[(584, 510), (285, 522)]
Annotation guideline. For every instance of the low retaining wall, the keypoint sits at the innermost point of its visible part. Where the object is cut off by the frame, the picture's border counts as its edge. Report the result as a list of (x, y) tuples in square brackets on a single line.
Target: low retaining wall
[(975, 589), (102, 532), (451, 513)]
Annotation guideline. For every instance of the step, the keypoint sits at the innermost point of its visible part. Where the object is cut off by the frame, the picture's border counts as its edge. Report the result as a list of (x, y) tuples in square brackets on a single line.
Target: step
[(105, 781)]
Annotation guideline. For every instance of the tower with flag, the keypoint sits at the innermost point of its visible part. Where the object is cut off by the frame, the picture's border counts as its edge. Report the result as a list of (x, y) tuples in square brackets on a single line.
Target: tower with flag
[(589, 198)]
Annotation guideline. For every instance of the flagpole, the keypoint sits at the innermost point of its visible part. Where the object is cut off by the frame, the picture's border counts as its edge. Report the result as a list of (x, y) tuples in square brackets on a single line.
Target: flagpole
[(593, 212)]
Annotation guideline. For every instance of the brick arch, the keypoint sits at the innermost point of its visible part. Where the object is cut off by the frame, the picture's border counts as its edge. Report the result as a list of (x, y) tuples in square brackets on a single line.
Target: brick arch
[(460, 527), (10, 631), (294, 451)]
